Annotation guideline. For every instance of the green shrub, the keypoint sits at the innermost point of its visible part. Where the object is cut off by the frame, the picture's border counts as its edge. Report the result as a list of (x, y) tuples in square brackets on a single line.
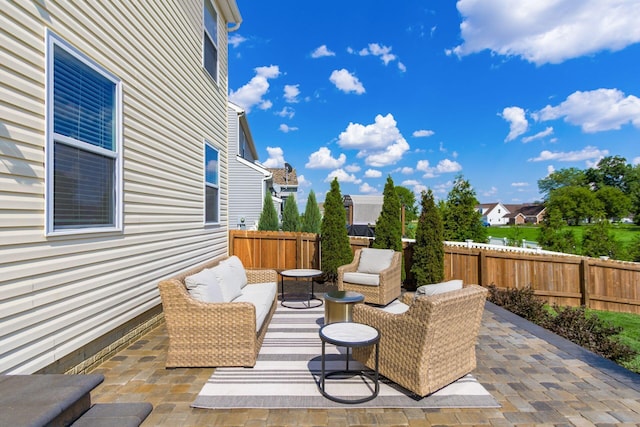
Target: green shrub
[(574, 324)]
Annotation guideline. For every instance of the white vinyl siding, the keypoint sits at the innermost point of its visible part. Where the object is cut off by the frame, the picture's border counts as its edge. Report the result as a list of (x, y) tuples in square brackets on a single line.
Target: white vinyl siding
[(61, 292)]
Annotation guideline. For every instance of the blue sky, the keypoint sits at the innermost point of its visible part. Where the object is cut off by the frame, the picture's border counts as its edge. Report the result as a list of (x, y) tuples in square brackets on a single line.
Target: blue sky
[(499, 91)]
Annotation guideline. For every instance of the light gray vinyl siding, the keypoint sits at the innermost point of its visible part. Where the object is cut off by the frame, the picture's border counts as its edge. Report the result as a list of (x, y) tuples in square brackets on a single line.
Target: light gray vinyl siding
[(246, 181), (60, 293)]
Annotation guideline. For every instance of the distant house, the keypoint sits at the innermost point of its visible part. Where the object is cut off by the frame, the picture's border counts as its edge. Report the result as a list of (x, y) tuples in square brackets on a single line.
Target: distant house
[(284, 182), (526, 214), (493, 213), (362, 214), (114, 169), (248, 180)]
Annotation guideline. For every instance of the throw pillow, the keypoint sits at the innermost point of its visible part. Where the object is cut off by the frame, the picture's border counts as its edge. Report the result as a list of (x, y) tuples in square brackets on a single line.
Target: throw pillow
[(439, 288), (204, 286), (236, 265), (228, 280), (373, 261)]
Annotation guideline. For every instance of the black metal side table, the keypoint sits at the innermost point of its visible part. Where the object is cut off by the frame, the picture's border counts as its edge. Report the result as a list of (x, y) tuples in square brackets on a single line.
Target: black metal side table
[(349, 334)]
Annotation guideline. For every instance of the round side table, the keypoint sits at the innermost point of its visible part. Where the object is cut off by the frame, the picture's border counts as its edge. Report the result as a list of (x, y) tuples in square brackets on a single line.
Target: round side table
[(338, 305)]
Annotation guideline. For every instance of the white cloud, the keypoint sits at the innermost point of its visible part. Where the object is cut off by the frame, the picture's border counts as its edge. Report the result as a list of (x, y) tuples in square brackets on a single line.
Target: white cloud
[(236, 39), (422, 133), (519, 184), (409, 182), (346, 82), (342, 177), (322, 51), (443, 166), (352, 168), (548, 131), (381, 51), (595, 111), (406, 170), (303, 182), (550, 170), (276, 158), (588, 153), (415, 186), (635, 161), (322, 159), (518, 123), (372, 173), (287, 112), (491, 192), (402, 67), (380, 143), (250, 95), (286, 128), (291, 93), (366, 188), (547, 31)]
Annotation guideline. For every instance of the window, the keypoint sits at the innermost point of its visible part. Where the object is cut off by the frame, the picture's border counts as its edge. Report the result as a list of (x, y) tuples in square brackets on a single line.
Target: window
[(83, 165), (210, 40), (211, 185)]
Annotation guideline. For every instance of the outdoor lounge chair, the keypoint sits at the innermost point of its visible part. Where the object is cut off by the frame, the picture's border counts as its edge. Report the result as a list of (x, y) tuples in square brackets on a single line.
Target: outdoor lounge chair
[(431, 344), (375, 273)]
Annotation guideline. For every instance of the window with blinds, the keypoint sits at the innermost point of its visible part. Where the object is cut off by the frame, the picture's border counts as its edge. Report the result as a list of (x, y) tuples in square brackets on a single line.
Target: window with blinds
[(210, 40), (83, 142), (211, 173)]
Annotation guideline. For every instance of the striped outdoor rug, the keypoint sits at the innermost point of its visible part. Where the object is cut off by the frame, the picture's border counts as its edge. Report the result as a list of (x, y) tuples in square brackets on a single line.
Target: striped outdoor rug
[(287, 373)]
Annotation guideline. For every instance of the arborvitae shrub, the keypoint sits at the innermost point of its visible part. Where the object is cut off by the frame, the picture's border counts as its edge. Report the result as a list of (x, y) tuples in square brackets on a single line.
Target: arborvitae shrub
[(290, 215)]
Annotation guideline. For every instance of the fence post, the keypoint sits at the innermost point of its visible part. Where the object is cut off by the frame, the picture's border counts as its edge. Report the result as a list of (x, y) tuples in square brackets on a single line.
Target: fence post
[(584, 282), (482, 268), (299, 251)]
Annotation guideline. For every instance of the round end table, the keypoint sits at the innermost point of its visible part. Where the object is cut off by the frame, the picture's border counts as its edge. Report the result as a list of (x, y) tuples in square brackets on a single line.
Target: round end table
[(338, 305)]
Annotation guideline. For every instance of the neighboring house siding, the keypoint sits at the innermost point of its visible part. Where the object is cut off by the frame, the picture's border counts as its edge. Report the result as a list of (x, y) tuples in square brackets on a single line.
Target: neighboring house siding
[(60, 293)]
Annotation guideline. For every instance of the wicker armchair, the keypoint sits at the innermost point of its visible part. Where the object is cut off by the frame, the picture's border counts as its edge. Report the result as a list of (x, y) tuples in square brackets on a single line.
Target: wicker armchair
[(382, 294), (212, 334), (430, 345)]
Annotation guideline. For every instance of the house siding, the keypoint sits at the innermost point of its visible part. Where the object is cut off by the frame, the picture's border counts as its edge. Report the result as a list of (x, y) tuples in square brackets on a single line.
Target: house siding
[(62, 292)]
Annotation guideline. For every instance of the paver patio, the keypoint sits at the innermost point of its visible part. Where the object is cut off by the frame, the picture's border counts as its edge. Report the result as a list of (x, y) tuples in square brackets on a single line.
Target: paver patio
[(539, 379)]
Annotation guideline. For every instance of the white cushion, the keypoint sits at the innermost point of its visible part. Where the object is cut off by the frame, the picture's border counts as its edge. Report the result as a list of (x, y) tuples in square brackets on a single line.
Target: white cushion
[(236, 265), (204, 286), (228, 280), (261, 295), (439, 288), (373, 261), (361, 278), (396, 307)]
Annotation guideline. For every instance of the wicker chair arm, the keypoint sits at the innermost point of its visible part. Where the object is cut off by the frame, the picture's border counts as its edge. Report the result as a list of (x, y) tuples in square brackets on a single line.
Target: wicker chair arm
[(261, 275)]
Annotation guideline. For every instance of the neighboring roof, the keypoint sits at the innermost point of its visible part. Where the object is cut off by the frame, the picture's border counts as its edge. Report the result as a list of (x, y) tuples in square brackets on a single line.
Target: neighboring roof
[(525, 210), (281, 177)]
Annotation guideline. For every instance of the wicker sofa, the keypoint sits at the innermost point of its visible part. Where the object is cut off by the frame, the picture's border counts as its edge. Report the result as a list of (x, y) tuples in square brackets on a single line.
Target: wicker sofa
[(208, 334), (380, 283), (426, 342)]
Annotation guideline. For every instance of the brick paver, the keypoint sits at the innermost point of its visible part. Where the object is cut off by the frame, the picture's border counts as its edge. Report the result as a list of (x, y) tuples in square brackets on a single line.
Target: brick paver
[(538, 378)]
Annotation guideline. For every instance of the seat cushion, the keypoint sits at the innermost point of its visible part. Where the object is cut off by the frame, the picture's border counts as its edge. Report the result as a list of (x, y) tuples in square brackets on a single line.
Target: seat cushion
[(439, 288), (395, 307), (373, 261), (362, 278), (261, 295), (204, 286)]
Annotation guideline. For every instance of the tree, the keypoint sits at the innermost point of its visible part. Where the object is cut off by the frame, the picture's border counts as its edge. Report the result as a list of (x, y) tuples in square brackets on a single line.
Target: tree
[(575, 204), (408, 200), (334, 244), (428, 250), (290, 215), (597, 240), (389, 226), (612, 171), (553, 236), (460, 217), (570, 177), (311, 219), (615, 203), (269, 217)]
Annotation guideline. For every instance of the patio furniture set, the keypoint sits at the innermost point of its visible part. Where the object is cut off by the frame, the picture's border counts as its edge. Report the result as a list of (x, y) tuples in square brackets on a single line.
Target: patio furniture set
[(218, 314)]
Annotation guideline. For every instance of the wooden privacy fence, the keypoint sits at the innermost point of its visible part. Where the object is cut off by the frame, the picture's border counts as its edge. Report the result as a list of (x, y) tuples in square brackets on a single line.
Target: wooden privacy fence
[(565, 280)]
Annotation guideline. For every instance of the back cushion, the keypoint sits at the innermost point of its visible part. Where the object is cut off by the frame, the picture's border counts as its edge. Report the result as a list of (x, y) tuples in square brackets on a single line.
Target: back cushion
[(373, 261), (204, 286), (228, 280), (439, 288), (234, 263)]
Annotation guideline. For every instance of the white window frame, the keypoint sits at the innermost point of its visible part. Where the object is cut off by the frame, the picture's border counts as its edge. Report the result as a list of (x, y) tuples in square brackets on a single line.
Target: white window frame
[(53, 40), (206, 184), (208, 6)]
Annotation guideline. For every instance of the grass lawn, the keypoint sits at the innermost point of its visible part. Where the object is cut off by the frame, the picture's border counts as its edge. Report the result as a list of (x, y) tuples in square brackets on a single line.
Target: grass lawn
[(630, 335)]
